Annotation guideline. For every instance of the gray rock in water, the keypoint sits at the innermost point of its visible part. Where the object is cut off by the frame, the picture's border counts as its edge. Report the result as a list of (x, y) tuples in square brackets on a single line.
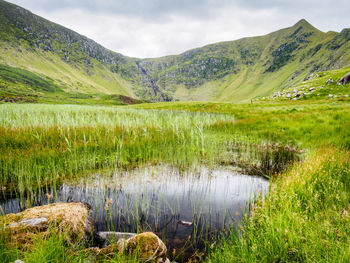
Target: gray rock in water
[(185, 223), (108, 237)]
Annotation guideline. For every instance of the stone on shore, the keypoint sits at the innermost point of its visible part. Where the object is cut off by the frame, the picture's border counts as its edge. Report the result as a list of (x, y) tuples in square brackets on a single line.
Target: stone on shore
[(72, 218)]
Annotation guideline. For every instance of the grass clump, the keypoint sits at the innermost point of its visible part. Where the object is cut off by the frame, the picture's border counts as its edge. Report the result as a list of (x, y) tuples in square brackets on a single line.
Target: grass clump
[(304, 218)]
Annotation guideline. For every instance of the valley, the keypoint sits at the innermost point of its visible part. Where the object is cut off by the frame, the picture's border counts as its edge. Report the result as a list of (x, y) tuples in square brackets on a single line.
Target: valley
[(237, 151)]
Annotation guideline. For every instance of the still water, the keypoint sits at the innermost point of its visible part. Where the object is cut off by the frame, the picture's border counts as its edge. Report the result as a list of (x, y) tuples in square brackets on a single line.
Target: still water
[(186, 208)]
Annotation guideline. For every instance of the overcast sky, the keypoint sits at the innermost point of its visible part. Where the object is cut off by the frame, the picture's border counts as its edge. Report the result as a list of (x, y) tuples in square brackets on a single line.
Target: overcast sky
[(153, 28)]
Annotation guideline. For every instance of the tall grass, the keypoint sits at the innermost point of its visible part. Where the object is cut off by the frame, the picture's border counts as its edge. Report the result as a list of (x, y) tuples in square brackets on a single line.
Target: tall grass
[(305, 218), (41, 144)]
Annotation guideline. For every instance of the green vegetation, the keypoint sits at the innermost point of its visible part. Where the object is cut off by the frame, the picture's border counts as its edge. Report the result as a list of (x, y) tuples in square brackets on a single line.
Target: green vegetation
[(305, 218), (42, 145), (304, 127), (315, 87), (20, 85)]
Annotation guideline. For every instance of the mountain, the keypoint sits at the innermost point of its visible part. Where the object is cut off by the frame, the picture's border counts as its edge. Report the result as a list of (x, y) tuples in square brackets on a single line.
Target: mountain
[(39, 58)]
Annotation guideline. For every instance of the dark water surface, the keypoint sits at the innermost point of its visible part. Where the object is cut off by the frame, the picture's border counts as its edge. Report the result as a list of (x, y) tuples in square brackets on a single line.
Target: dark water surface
[(185, 208)]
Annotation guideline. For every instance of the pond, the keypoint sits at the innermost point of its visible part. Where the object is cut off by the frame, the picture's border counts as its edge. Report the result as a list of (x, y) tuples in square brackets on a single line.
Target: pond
[(188, 209)]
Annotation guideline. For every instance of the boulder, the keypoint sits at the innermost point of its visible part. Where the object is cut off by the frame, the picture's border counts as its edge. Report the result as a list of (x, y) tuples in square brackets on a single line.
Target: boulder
[(345, 79), (73, 219), (147, 246)]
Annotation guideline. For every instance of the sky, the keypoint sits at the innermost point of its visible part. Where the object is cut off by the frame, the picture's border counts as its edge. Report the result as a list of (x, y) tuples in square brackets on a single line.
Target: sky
[(154, 28)]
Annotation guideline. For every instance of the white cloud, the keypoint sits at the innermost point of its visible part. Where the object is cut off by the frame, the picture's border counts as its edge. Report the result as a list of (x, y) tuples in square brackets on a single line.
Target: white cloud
[(140, 37)]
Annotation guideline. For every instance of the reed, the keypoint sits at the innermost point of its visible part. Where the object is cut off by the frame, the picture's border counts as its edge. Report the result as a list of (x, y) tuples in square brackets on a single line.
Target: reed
[(43, 146)]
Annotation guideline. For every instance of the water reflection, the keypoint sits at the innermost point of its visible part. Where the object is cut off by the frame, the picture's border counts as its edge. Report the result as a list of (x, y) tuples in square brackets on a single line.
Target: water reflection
[(185, 208)]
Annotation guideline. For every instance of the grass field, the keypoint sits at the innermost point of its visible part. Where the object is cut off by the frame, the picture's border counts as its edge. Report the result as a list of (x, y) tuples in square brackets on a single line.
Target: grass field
[(304, 218)]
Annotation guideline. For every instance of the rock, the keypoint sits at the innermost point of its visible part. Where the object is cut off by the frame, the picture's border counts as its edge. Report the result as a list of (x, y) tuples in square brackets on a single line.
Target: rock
[(345, 79), (185, 223), (148, 247), (109, 237), (38, 223), (312, 88), (330, 96), (72, 219), (346, 95), (330, 80), (288, 95)]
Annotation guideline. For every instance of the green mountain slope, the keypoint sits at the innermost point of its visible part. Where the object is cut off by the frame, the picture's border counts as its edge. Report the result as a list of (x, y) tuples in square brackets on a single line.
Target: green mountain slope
[(73, 62), (228, 71), (250, 67)]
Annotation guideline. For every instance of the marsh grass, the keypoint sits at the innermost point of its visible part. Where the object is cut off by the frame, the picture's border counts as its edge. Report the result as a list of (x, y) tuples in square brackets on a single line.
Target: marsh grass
[(43, 145), (305, 218), (264, 159)]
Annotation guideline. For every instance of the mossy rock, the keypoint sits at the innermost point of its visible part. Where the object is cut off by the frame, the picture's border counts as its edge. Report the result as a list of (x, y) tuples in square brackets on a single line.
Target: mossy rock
[(69, 219), (147, 246)]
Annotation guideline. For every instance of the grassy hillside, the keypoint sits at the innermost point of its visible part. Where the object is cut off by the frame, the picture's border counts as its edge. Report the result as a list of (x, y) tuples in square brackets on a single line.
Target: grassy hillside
[(315, 87), (74, 63), (20, 85), (251, 67)]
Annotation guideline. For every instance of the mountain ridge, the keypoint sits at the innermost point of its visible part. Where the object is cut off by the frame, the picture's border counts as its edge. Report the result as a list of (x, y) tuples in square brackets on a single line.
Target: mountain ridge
[(235, 70)]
